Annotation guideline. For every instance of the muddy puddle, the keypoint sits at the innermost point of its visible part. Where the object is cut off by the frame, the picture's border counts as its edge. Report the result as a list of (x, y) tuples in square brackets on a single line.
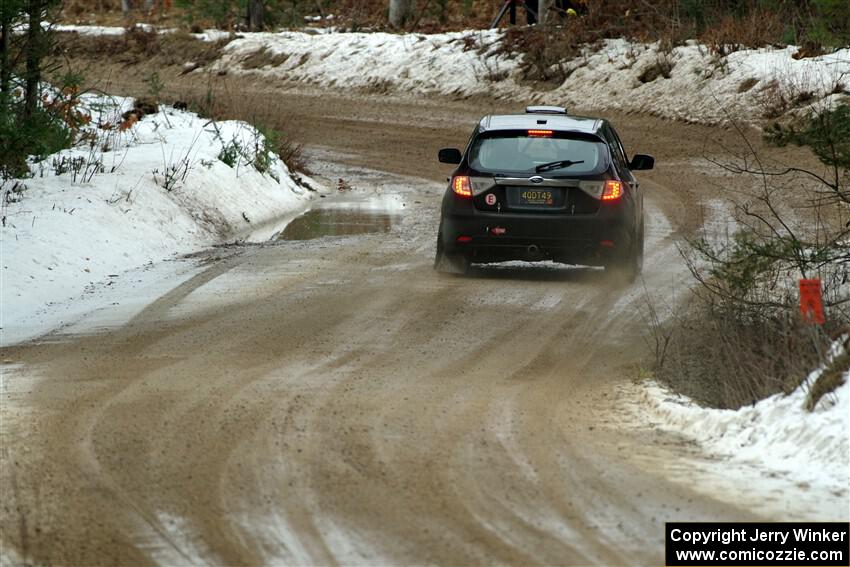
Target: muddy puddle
[(345, 218)]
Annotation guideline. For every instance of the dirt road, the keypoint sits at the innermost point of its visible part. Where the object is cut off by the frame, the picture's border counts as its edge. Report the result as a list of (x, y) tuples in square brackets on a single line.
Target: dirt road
[(337, 401)]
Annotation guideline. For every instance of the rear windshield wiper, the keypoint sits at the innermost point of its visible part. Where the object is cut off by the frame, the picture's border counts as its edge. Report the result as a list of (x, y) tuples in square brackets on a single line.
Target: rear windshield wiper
[(556, 165)]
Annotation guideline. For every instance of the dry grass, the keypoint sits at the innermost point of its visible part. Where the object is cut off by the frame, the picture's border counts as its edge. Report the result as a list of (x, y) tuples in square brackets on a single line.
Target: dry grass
[(137, 57), (139, 46), (727, 359), (747, 84), (544, 49), (757, 28), (776, 99), (263, 58), (292, 154), (221, 101), (723, 30), (723, 25), (351, 15), (661, 67), (831, 379)]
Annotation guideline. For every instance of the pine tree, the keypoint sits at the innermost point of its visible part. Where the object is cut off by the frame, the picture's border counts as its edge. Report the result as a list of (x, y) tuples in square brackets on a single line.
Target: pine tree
[(26, 127)]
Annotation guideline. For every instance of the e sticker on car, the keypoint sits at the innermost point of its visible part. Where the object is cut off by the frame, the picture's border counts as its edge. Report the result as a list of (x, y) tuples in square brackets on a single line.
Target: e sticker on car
[(490, 199)]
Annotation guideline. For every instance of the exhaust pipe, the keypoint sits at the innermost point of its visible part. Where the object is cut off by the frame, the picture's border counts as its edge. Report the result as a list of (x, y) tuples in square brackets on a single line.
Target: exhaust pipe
[(533, 250)]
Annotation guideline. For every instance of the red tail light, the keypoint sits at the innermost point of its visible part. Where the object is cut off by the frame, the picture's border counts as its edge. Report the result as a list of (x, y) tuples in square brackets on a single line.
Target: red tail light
[(462, 186), (613, 190), (540, 133)]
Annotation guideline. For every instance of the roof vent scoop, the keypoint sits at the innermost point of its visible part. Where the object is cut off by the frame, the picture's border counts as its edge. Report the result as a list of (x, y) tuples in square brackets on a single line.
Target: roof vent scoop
[(545, 110)]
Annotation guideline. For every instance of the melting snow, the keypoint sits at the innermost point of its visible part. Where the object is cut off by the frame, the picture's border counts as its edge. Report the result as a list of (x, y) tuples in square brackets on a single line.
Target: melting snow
[(696, 85), (125, 198), (776, 443), (687, 82)]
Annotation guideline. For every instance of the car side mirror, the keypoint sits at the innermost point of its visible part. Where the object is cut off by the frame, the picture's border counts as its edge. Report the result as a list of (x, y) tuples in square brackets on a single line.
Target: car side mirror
[(450, 155), (641, 161)]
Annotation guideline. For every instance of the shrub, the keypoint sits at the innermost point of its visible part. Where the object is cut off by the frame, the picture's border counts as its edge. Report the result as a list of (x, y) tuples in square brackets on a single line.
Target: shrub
[(266, 144), (544, 50), (743, 339), (830, 379), (661, 67), (724, 25), (828, 136), (230, 153), (271, 142), (726, 357), (830, 23), (292, 154), (140, 46), (42, 134)]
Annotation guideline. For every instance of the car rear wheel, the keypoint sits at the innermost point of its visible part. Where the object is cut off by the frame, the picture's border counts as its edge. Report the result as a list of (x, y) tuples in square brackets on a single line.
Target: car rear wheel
[(627, 266), (449, 263)]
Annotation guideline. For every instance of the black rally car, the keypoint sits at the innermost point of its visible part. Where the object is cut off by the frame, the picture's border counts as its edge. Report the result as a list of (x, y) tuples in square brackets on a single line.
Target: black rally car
[(543, 185)]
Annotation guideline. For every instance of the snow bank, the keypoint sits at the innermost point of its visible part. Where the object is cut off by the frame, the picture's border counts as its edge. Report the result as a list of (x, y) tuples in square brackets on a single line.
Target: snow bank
[(686, 83), (701, 87), (776, 435), (208, 35), (94, 30), (129, 195), (446, 64), (695, 85)]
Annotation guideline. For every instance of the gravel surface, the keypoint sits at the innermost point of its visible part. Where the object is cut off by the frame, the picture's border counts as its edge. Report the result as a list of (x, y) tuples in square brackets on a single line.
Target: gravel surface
[(336, 400)]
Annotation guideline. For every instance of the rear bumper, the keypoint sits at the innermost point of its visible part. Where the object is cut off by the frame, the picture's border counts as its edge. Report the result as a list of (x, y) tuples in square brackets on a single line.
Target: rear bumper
[(493, 237)]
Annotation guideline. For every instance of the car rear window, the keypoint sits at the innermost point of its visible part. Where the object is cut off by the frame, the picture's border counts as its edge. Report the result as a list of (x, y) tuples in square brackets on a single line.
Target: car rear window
[(518, 153)]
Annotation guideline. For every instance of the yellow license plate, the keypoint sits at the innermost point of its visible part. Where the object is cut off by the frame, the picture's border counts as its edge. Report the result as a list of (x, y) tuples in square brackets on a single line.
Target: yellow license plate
[(536, 197)]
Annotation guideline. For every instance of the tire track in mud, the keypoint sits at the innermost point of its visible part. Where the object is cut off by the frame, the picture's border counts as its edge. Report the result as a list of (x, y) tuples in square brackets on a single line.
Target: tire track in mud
[(446, 419), (347, 404), (69, 441), (473, 530)]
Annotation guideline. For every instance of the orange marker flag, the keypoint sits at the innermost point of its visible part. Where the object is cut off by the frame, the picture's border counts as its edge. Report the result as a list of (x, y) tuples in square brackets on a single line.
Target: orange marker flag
[(811, 302)]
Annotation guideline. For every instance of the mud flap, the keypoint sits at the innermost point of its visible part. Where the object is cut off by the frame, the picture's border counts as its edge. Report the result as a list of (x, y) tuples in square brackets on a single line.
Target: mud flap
[(449, 263), (624, 268)]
